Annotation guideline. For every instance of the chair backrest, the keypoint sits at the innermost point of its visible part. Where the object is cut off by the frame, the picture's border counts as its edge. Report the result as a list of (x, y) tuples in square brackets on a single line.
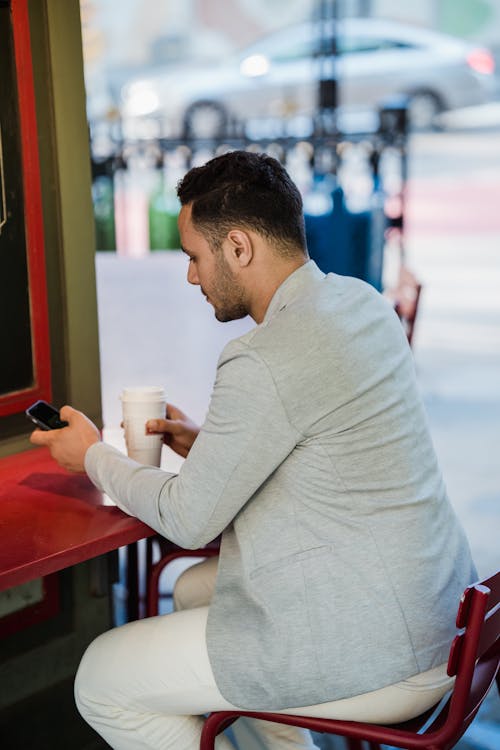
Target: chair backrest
[(474, 654)]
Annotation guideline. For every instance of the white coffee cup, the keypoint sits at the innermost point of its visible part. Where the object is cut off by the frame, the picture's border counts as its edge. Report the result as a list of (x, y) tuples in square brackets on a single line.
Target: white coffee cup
[(139, 405)]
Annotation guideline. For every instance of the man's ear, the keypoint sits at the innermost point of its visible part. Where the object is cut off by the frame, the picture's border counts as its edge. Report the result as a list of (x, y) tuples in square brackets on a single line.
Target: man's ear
[(239, 246)]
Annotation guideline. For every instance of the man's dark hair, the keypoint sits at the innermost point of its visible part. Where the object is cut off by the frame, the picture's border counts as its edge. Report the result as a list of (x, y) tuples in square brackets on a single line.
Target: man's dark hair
[(247, 190)]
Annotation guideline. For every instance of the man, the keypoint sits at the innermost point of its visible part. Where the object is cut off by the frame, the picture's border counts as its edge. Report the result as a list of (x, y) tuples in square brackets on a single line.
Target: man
[(316, 465)]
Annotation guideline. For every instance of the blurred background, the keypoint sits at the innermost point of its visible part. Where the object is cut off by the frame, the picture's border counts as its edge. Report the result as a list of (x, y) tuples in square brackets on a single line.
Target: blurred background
[(387, 115), (158, 59)]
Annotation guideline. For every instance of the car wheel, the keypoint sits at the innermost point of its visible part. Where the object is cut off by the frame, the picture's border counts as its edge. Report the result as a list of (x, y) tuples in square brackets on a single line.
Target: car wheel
[(205, 119), (423, 109)]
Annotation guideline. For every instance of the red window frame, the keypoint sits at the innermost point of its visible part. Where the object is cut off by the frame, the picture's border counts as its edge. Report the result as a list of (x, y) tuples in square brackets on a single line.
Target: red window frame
[(16, 401)]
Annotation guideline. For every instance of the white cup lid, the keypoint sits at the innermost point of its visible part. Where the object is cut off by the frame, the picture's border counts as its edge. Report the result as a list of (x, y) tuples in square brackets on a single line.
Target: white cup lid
[(143, 393)]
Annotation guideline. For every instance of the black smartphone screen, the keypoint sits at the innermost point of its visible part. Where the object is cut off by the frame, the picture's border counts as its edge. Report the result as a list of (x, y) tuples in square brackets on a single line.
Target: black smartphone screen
[(45, 416)]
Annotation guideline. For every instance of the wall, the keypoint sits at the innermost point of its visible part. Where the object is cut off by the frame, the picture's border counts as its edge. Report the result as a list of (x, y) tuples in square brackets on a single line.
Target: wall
[(67, 214), (38, 663)]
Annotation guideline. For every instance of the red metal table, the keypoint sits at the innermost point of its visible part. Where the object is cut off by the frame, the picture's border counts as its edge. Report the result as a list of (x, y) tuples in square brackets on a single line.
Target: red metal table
[(51, 519)]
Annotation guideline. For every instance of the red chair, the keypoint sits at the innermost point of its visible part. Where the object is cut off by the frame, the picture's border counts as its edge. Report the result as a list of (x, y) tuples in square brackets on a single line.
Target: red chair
[(474, 659), (156, 569)]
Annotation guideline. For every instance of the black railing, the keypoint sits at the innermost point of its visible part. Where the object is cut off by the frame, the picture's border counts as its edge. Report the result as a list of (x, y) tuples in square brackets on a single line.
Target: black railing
[(352, 185)]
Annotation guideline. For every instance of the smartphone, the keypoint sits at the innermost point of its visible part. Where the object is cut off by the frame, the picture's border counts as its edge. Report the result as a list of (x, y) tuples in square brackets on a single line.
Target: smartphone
[(45, 416)]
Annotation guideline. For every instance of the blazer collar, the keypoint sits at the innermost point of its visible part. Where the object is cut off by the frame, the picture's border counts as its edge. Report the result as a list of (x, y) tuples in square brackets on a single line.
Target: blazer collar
[(297, 284)]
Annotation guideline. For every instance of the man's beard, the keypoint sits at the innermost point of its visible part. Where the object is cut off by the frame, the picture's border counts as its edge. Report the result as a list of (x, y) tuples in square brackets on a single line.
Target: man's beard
[(230, 301)]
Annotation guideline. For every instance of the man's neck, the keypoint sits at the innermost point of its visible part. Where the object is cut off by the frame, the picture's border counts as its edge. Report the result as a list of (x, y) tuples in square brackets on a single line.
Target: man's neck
[(268, 283)]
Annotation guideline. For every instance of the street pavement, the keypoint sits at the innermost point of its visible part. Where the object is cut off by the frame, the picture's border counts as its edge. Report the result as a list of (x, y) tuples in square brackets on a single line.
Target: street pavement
[(453, 245)]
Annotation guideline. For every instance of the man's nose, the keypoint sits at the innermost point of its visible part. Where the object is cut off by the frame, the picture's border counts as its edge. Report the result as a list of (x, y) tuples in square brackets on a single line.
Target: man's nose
[(192, 275)]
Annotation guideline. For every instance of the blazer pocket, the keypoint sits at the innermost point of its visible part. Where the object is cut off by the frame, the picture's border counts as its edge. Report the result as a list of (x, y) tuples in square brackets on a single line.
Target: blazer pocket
[(290, 560)]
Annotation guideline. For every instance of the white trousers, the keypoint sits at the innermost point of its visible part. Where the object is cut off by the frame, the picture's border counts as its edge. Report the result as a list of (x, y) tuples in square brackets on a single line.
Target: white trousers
[(147, 684)]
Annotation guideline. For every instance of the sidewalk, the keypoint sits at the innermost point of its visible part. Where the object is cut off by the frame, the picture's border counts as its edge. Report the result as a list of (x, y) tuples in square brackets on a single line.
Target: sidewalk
[(457, 355), (453, 245)]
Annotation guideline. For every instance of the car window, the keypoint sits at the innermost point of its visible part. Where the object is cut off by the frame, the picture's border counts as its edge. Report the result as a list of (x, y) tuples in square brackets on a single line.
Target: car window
[(349, 44), (346, 44), (297, 51), (295, 46)]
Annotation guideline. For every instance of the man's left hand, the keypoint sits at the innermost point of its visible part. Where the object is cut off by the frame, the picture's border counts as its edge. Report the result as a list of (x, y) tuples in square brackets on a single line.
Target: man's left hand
[(69, 445)]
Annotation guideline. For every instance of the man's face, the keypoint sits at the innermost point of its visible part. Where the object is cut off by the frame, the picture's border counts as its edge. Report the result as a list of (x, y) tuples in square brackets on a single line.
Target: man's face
[(210, 270)]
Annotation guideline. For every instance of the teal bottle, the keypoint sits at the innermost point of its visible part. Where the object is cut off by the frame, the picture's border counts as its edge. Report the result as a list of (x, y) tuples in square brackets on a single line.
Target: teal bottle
[(104, 212)]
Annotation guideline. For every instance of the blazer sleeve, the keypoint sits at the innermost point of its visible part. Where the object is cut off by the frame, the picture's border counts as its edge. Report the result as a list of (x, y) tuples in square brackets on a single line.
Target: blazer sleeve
[(246, 436)]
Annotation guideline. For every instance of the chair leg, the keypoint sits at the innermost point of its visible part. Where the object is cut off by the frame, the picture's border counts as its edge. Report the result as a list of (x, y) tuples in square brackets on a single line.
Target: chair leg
[(152, 589), (353, 744), (214, 724)]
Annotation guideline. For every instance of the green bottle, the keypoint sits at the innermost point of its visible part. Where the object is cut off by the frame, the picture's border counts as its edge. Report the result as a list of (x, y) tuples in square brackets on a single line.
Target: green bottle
[(163, 211)]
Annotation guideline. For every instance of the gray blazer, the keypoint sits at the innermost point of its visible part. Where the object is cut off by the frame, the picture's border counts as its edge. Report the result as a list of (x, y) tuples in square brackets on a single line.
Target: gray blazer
[(342, 561)]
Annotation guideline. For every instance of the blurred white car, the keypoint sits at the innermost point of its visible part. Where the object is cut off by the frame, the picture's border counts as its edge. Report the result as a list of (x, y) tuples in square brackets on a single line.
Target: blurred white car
[(277, 77)]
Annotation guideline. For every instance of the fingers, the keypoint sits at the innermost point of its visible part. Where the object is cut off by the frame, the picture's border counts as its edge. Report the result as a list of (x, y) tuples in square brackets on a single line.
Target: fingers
[(40, 437), (161, 426), (69, 445), (46, 437), (172, 412), (68, 413)]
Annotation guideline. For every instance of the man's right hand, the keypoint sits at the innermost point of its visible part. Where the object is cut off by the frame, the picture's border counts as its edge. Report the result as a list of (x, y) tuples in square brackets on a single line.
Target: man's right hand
[(178, 431)]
